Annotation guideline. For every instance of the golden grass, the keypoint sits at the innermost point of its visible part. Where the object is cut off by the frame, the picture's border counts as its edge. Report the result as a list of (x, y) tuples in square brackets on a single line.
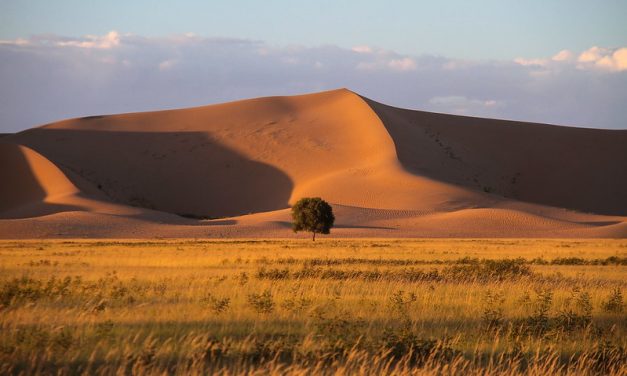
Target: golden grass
[(297, 307)]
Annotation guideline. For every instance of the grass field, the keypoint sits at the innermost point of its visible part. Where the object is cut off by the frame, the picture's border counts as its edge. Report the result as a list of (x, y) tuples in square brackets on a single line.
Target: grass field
[(299, 307)]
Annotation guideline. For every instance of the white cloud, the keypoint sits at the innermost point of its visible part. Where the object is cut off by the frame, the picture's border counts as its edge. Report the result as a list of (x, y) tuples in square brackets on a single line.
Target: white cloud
[(531, 62), (591, 55), (15, 42), (604, 58), (109, 40), (379, 59), (563, 55), (126, 73), (404, 64), (620, 58), (461, 105), (362, 49), (599, 58)]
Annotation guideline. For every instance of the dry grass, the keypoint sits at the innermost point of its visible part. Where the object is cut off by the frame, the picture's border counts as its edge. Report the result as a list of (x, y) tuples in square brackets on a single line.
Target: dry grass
[(297, 307)]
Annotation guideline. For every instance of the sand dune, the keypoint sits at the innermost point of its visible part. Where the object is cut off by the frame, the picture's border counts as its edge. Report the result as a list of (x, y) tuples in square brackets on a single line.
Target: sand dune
[(581, 169), (388, 172), (30, 180)]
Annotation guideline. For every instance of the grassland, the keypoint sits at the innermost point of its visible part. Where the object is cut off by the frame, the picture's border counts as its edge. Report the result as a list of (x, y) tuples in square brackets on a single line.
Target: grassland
[(299, 307)]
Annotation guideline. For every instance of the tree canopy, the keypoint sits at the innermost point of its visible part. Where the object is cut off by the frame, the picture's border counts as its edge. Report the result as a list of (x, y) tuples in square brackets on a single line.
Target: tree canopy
[(312, 214)]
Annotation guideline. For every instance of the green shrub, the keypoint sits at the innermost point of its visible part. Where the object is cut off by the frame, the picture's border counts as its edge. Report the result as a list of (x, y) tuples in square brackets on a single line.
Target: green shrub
[(262, 303), (615, 301)]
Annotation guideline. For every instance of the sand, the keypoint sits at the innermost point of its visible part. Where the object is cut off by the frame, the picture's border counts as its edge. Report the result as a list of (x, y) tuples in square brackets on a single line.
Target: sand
[(233, 169)]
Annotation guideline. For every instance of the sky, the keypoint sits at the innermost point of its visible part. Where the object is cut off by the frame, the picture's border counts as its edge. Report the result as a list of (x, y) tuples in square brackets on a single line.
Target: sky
[(559, 61)]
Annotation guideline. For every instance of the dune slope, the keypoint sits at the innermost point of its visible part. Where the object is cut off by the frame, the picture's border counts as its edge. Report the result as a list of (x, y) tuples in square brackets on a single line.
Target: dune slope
[(390, 172), (30, 181), (576, 168)]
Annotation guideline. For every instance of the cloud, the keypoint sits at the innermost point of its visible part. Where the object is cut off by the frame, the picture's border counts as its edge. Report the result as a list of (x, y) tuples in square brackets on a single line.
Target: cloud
[(531, 62), (604, 58), (460, 105), (49, 77), (609, 59), (404, 64), (109, 40), (371, 59), (563, 55), (362, 49)]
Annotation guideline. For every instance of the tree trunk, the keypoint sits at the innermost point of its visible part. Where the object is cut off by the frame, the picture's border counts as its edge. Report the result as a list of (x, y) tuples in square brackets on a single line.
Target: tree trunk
[(314, 236)]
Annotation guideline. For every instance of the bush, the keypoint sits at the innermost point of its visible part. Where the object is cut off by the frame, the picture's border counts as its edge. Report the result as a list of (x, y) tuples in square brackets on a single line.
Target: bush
[(262, 303), (488, 270), (615, 302)]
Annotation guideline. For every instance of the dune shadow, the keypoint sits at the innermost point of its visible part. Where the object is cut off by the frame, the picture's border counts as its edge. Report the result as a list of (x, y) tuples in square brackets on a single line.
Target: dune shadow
[(220, 222), (598, 223), (567, 167), (92, 117), (365, 227), (287, 224), (21, 192), (174, 172)]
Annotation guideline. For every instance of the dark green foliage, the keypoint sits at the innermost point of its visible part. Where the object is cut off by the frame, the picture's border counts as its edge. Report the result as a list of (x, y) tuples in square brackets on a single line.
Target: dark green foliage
[(335, 328), (312, 214), (615, 302), (578, 312), (26, 289), (493, 310), (403, 343), (262, 303), (273, 274), (489, 270), (539, 322), (217, 305), (401, 302)]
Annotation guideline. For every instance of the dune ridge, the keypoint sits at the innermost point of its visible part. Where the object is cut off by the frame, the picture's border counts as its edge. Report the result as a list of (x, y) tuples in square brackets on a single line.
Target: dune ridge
[(239, 165)]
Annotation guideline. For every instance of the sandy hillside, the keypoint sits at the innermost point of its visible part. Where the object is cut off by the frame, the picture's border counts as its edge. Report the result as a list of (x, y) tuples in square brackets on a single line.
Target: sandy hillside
[(233, 169)]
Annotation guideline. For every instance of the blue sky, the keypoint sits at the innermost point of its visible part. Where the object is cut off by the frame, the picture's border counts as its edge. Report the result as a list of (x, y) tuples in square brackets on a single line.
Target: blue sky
[(478, 29), (552, 61)]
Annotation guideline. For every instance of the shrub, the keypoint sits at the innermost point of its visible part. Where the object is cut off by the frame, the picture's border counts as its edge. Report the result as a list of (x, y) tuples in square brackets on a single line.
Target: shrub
[(493, 310), (615, 302), (539, 322), (578, 316), (488, 270), (217, 305), (400, 302), (262, 303), (273, 274), (403, 344)]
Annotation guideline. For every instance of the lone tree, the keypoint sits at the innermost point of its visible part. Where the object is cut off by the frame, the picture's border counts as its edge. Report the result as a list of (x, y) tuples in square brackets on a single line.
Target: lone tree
[(312, 214)]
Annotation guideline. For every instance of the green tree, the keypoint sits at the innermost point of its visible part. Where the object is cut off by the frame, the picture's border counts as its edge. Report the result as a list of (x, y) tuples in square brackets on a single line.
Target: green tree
[(312, 214)]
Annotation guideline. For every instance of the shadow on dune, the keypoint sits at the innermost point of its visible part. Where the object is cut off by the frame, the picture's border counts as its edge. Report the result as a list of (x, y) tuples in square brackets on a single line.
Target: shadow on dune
[(598, 223), (575, 168), (287, 224), (220, 222), (184, 173), (365, 227), (21, 193)]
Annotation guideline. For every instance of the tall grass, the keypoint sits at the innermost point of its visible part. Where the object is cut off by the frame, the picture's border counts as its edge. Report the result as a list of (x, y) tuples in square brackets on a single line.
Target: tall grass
[(409, 307)]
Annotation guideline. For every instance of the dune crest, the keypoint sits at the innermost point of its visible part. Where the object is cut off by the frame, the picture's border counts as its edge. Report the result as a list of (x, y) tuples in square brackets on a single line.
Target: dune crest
[(415, 173)]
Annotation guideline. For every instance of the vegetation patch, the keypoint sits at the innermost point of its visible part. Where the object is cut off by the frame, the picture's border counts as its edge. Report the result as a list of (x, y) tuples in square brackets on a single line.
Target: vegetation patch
[(406, 307)]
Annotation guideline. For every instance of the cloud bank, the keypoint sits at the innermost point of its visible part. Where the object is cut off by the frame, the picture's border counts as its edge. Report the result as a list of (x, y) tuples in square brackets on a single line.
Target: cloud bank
[(48, 77)]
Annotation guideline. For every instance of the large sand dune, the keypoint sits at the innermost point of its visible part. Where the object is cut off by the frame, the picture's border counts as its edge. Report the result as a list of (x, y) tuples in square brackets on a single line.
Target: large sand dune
[(387, 171)]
